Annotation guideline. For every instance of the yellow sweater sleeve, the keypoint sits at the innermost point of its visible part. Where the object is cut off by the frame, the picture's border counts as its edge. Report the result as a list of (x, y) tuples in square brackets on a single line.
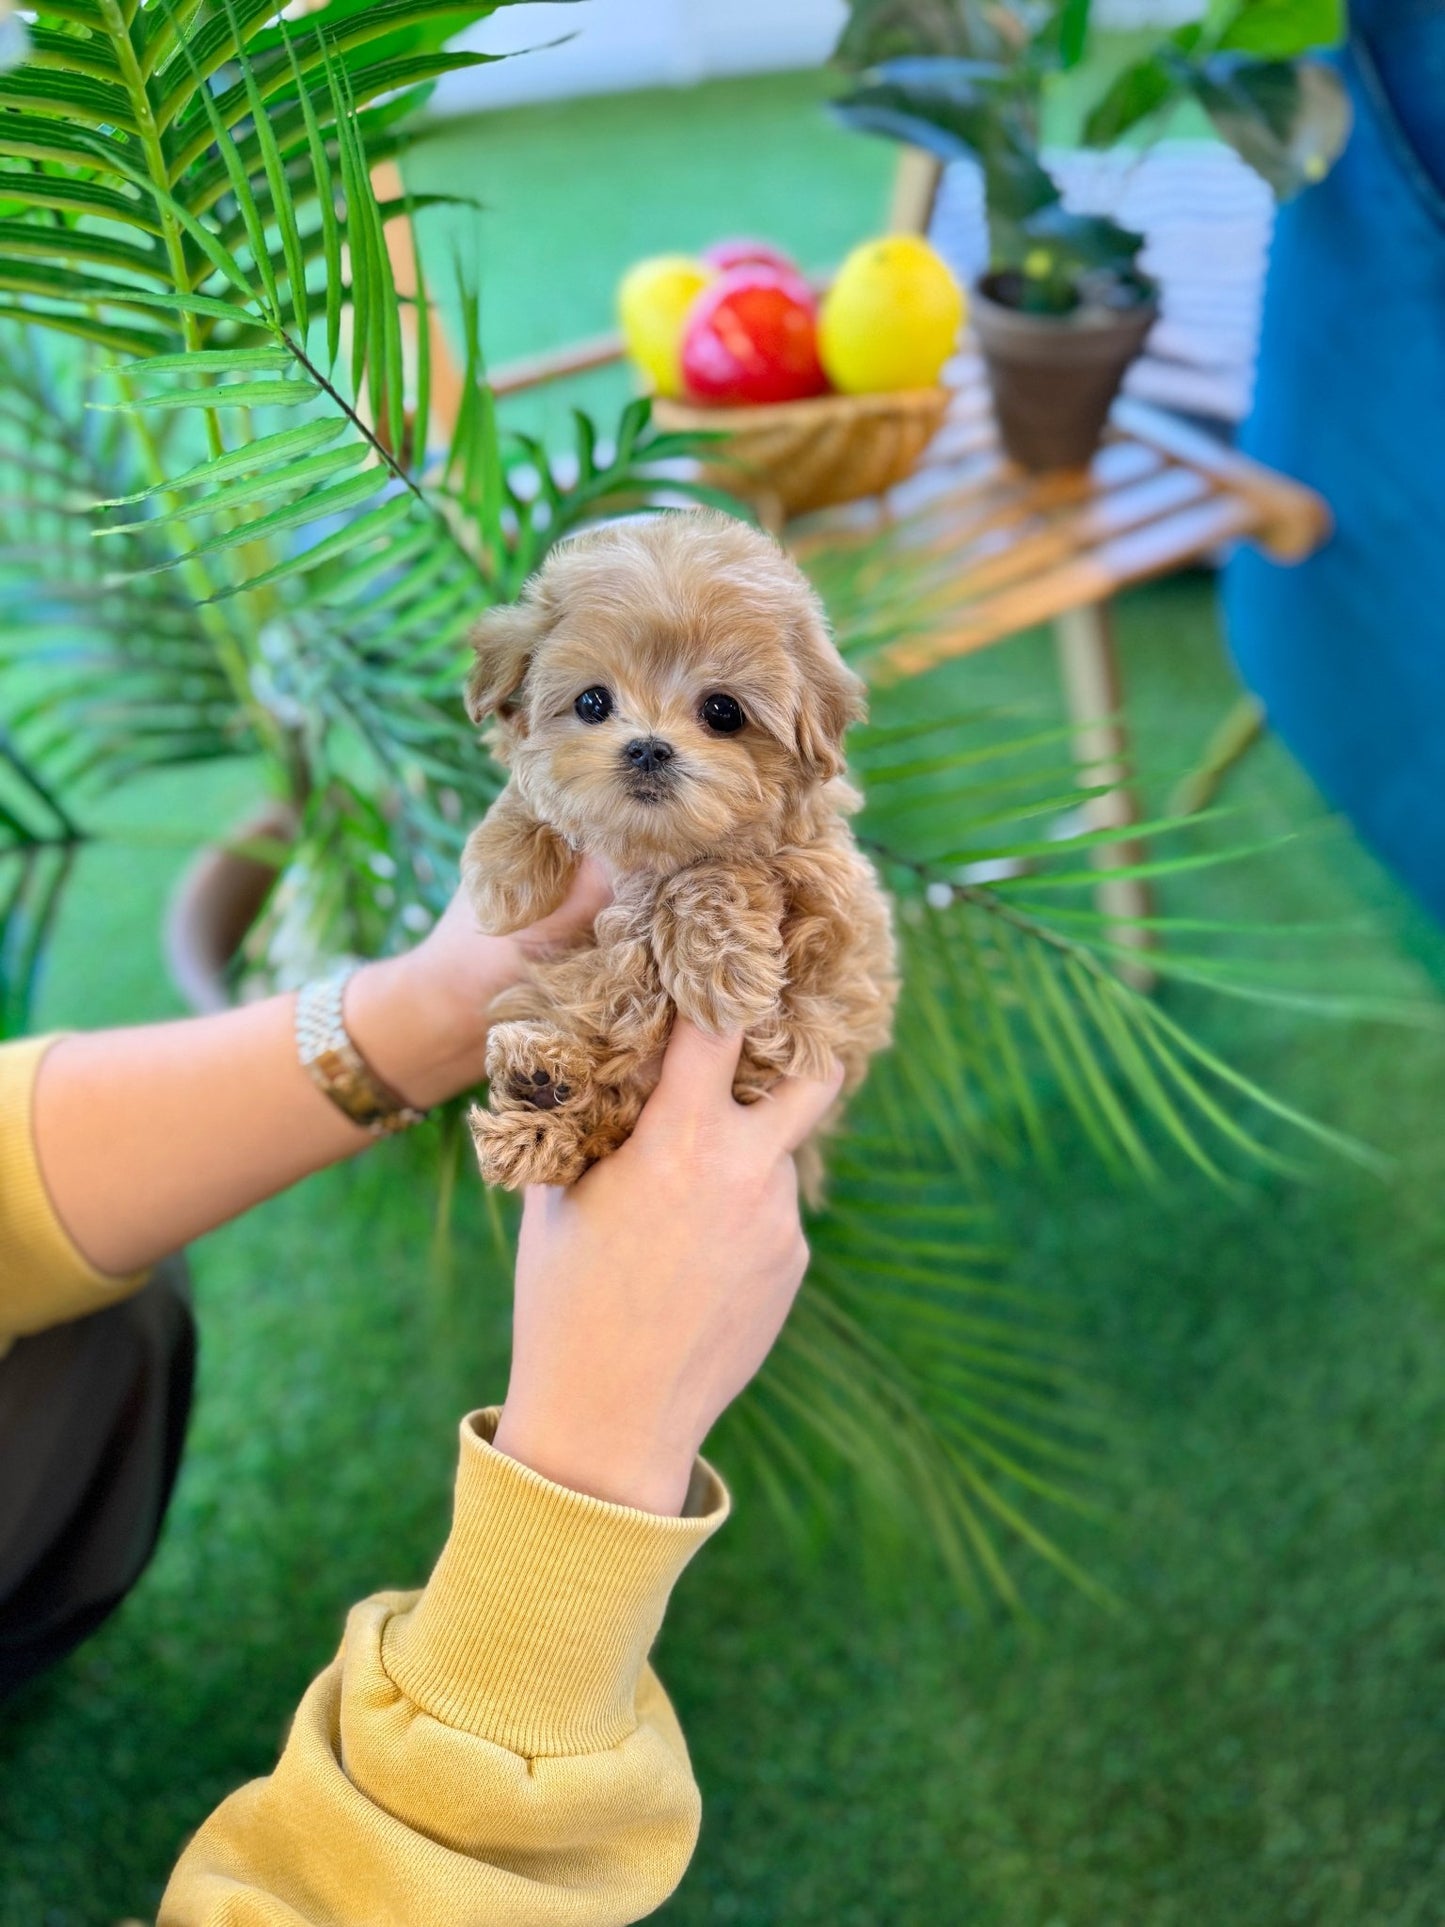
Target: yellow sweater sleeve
[(43, 1278), (491, 1752)]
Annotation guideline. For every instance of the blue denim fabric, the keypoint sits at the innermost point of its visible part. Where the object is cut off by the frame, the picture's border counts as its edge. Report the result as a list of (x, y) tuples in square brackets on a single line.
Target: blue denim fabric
[(1347, 651)]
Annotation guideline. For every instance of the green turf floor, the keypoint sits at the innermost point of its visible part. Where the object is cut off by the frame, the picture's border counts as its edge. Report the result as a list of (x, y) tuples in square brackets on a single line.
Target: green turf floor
[(1257, 1740)]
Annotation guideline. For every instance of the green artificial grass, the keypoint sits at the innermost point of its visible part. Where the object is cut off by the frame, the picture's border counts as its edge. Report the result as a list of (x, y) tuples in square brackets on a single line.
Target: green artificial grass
[(1256, 1738)]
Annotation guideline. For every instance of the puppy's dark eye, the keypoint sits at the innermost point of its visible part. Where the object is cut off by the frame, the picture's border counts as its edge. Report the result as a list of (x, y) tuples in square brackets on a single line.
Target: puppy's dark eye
[(723, 713), (594, 705)]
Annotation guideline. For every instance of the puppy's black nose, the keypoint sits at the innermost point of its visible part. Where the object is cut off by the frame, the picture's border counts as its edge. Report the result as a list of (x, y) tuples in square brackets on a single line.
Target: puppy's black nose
[(648, 753)]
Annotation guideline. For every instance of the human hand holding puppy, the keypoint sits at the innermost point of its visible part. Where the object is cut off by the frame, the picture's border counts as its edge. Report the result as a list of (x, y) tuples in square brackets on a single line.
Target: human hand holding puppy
[(636, 1323), (421, 1019)]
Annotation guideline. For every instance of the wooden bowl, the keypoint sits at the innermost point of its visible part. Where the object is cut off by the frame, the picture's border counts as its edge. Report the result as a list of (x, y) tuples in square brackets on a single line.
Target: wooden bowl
[(805, 455)]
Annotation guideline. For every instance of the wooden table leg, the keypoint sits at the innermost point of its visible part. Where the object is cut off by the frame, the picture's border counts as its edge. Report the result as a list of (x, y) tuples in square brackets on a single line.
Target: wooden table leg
[(915, 189), (1094, 692)]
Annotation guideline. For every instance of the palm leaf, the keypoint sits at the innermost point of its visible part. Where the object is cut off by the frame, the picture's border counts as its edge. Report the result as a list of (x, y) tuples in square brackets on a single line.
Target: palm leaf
[(953, 1402), (39, 841)]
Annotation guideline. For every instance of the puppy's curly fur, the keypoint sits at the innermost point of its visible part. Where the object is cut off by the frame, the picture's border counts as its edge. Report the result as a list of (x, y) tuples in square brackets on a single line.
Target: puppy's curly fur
[(667, 698)]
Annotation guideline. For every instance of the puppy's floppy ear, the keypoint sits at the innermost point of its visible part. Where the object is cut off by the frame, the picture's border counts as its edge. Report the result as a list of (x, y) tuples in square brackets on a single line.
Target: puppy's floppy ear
[(830, 698), (504, 641)]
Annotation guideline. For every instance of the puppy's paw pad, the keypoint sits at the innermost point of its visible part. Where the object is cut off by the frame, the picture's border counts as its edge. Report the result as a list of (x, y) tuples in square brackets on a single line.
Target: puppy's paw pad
[(536, 1069), (539, 1090)]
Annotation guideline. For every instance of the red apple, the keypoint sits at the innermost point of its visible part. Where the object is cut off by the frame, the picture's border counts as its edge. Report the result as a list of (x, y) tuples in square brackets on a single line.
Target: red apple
[(752, 338), (739, 252)]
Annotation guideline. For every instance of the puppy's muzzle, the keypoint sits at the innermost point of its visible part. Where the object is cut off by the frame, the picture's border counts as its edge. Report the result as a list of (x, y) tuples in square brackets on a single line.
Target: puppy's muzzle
[(648, 755), (647, 763)]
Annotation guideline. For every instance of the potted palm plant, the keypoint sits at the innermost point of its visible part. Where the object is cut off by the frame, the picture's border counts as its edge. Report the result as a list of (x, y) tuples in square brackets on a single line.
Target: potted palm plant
[(1063, 307)]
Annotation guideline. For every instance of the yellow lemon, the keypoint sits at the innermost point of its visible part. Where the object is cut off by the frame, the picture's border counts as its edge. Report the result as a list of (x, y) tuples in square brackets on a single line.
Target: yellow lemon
[(891, 319), (652, 305)]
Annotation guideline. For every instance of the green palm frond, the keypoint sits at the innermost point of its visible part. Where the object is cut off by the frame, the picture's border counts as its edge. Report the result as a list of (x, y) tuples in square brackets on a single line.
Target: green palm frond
[(955, 1402), (39, 840), (279, 491), (105, 676), (154, 119), (994, 849), (982, 834), (951, 1399)]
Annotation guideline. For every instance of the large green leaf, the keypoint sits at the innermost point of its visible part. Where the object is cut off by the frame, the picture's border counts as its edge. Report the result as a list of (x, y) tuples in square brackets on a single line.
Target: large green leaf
[(1073, 31), (959, 110), (1138, 91), (1275, 29), (1289, 122)]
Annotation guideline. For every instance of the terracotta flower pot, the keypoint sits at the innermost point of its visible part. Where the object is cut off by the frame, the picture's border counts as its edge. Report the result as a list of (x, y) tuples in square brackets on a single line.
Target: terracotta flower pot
[(1054, 377), (217, 900)]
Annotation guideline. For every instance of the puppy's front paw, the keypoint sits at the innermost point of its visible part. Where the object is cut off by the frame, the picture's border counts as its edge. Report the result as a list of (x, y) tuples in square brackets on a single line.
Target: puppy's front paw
[(516, 869), (522, 1147), (533, 1068), (500, 904)]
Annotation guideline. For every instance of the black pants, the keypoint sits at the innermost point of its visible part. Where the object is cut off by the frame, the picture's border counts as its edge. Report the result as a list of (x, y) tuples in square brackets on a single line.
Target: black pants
[(92, 1419)]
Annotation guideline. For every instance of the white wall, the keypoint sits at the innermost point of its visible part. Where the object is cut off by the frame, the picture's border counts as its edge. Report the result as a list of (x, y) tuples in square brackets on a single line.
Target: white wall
[(618, 45)]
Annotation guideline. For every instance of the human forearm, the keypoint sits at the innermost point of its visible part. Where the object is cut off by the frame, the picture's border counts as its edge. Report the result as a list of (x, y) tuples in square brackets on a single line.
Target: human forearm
[(149, 1137)]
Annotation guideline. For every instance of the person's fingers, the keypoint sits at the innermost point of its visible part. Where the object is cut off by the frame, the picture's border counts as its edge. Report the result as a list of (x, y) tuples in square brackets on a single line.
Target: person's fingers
[(535, 1200), (698, 1068), (457, 920), (795, 1106), (591, 890)]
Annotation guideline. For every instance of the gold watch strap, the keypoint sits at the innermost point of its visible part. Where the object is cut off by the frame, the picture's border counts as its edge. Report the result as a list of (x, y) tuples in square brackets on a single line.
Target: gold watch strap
[(335, 1066)]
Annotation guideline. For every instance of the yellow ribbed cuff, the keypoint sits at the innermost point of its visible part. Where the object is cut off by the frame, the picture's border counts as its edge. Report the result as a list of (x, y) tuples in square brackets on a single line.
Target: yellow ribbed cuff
[(533, 1629), (44, 1280)]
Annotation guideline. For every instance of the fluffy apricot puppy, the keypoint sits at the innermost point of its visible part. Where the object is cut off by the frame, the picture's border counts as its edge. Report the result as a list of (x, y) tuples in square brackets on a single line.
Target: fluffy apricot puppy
[(668, 699)]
